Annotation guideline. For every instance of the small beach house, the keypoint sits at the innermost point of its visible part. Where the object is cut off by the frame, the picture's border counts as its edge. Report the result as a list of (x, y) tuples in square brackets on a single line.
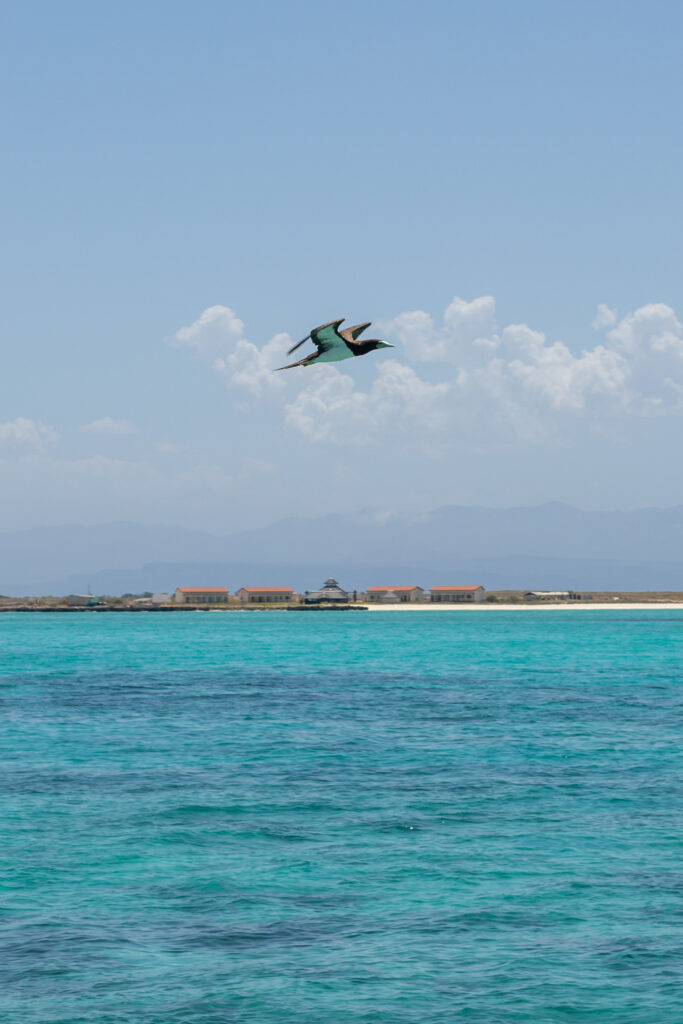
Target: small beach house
[(80, 600), (201, 595), (265, 595), (395, 595), (456, 595)]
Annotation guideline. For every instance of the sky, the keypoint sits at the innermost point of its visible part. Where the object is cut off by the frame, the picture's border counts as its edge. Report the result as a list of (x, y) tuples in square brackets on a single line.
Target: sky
[(187, 189)]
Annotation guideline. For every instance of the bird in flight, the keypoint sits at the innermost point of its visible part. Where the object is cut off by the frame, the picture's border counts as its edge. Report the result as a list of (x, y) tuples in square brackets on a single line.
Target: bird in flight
[(331, 344)]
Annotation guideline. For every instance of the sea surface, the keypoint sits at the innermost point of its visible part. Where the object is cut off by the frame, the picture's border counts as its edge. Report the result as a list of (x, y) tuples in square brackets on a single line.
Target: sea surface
[(341, 817)]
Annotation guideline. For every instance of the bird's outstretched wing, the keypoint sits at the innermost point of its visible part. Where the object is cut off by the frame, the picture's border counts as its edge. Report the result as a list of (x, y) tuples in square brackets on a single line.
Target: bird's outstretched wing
[(298, 345), (300, 362), (327, 337), (319, 335), (350, 334)]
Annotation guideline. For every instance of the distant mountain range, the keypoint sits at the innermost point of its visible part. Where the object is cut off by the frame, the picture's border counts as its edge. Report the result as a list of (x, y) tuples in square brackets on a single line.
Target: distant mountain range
[(544, 546)]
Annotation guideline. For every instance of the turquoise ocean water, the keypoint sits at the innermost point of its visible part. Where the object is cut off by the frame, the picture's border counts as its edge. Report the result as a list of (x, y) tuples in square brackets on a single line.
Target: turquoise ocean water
[(342, 817)]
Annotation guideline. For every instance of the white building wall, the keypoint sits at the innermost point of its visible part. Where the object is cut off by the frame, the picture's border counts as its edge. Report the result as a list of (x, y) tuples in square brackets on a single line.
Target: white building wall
[(398, 596), (457, 596)]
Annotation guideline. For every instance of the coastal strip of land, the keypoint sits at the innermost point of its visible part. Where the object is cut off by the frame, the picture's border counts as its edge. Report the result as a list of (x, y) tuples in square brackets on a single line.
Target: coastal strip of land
[(587, 606)]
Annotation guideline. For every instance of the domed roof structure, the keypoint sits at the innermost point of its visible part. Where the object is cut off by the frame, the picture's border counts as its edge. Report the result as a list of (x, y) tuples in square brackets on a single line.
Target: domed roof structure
[(330, 592)]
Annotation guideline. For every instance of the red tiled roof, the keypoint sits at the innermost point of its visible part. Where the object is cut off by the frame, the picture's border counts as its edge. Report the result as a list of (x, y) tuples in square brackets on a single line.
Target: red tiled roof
[(202, 590), (268, 590), (478, 587), (372, 590)]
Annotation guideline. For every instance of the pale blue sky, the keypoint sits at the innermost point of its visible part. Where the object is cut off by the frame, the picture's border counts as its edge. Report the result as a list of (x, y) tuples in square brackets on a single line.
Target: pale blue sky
[(294, 162)]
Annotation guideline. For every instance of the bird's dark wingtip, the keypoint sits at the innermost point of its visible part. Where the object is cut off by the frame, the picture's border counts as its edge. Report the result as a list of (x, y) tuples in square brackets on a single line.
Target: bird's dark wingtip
[(295, 347)]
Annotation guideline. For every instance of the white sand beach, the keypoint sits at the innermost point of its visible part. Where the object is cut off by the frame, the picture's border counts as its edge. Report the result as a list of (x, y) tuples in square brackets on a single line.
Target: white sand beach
[(576, 606)]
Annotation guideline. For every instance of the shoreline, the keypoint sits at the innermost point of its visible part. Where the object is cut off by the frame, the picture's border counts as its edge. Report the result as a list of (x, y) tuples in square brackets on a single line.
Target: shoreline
[(545, 606), (548, 606)]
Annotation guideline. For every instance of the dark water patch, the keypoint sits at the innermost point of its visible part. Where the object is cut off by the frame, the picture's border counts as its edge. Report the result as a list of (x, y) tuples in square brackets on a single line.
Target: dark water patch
[(293, 931)]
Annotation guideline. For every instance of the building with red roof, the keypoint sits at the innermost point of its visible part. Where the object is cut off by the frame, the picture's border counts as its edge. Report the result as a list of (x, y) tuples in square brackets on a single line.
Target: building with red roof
[(266, 595)]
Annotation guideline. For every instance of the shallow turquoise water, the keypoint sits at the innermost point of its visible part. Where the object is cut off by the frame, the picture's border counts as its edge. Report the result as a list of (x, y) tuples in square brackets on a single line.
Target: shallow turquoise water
[(326, 817)]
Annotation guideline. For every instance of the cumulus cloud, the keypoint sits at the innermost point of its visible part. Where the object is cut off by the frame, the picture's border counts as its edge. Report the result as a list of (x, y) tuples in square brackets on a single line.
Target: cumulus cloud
[(216, 331), (636, 370), (332, 409), (553, 373), (651, 341), (478, 380), (218, 336), (24, 435), (654, 327), (251, 368), (605, 317), (467, 327), (109, 427)]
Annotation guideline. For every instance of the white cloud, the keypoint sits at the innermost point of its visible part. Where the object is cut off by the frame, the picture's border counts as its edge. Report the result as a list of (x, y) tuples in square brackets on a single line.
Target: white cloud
[(469, 329), (481, 381), (554, 374), (651, 341), (655, 327), (605, 317), (24, 435), (252, 368), (635, 371), (415, 331), (214, 333), (109, 427), (218, 335), (514, 365), (331, 409)]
